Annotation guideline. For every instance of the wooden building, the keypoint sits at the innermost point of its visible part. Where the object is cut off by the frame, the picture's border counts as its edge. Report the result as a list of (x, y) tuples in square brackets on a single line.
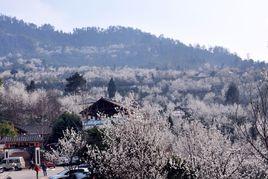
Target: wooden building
[(102, 108)]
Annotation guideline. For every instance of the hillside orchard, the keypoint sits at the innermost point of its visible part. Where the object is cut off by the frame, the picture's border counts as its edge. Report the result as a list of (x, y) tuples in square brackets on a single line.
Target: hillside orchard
[(206, 123)]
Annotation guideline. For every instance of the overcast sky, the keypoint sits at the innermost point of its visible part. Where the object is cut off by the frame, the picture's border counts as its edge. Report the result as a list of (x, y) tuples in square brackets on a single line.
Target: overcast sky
[(239, 25)]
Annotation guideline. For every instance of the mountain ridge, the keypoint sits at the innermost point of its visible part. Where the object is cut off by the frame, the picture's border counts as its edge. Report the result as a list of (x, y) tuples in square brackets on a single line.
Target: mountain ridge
[(113, 46)]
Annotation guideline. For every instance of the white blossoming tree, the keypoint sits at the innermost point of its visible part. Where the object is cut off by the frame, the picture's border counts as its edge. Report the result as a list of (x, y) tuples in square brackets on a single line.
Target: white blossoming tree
[(138, 146), (255, 131), (69, 147), (208, 152)]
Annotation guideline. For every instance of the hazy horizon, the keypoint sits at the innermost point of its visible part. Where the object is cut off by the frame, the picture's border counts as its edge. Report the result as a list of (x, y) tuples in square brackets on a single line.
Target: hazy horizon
[(240, 25)]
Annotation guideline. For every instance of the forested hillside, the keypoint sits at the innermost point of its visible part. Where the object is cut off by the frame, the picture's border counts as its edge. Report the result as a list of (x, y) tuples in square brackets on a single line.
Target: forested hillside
[(114, 46)]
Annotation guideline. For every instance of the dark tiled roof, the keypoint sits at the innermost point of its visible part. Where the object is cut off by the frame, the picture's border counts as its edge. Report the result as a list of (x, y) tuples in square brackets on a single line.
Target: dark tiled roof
[(22, 138), (35, 129), (104, 106), (111, 101)]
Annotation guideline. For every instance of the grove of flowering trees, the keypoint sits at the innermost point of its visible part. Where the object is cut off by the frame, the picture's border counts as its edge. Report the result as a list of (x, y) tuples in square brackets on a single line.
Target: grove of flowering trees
[(182, 123), (144, 143), (137, 146)]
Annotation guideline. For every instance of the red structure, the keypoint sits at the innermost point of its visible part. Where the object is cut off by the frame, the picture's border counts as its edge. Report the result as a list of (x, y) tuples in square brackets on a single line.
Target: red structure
[(23, 141), (30, 136)]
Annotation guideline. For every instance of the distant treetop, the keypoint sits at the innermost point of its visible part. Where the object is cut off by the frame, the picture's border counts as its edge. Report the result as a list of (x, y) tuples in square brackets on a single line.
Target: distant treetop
[(75, 83)]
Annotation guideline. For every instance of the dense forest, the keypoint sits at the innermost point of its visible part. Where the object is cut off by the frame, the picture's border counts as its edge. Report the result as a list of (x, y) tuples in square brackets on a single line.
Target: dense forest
[(114, 46)]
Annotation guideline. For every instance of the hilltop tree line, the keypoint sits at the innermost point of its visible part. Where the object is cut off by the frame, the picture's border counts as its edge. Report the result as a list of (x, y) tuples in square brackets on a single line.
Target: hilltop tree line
[(114, 46)]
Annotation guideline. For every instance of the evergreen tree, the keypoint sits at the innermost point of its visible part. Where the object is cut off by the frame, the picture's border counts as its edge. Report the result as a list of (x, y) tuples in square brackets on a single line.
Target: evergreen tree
[(111, 88), (7, 129), (31, 87), (65, 121), (94, 136), (75, 83), (170, 121), (232, 94)]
